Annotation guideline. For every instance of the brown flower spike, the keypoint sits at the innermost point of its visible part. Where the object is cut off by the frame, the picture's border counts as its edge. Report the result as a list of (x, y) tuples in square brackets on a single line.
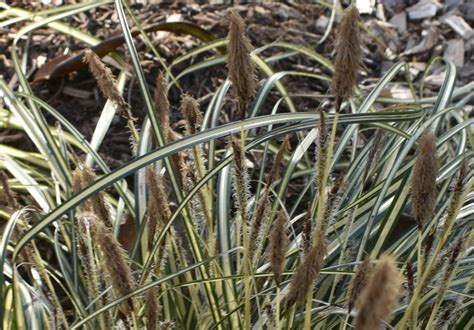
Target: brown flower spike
[(348, 56), (423, 182), (162, 107), (380, 295), (359, 282), (306, 273), (106, 81), (240, 65), (278, 246)]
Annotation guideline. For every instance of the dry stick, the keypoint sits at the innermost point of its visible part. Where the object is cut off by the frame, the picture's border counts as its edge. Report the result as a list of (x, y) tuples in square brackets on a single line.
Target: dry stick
[(423, 187), (457, 198)]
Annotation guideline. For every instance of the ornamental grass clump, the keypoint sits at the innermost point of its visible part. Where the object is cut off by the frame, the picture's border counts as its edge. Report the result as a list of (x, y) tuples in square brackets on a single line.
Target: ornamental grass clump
[(248, 205)]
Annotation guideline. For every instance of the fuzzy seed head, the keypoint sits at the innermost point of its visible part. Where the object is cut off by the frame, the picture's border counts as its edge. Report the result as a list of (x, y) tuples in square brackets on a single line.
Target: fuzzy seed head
[(106, 80), (278, 246), (380, 295), (348, 56), (162, 106), (158, 211), (306, 273), (152, 309), (263, 203), (114, 263), (240, 178), (83, 177), (190, 111), (423, 182), (240, 65), (358, 283)]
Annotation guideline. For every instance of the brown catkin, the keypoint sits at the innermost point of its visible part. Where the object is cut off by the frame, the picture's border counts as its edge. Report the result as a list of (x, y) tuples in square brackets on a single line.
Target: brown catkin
[(158, 215), (380, 295), (162, 106), (114, 263), (240, 65), (423, 184), (307, 230), (278, 246), (263, 203), (158, 211), (106, 81), (306, 273), (190, 111), (456, 196), (455, 251), (348, 56), (270, 313), (83, 177), (358, 283), (108, 86), (152, 309), (321, 148)]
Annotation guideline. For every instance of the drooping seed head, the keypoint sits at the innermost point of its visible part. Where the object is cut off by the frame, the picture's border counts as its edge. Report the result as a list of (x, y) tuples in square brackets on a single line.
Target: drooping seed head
[(106, 80)]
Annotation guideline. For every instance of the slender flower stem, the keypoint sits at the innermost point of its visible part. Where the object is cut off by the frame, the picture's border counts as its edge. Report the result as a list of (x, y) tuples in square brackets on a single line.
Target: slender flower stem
[(320, 214), (277, 307), (419, 271)]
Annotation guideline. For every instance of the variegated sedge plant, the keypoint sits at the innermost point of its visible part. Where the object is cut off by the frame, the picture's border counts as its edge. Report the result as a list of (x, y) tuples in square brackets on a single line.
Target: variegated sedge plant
[(237, 225)]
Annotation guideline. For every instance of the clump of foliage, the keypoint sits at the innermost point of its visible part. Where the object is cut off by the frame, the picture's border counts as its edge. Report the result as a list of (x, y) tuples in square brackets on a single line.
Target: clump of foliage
[(377, 233)]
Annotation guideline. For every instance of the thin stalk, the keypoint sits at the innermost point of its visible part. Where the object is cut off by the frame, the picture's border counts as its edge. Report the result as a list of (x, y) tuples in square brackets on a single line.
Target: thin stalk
[(321, 209), (246, 266), (434, 313), (277, 307), (419, 270)]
